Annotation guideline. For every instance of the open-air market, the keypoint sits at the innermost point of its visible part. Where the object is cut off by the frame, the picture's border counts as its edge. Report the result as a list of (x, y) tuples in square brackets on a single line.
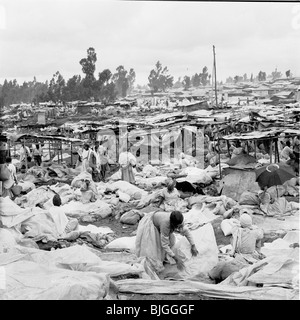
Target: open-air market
[(113, 189)]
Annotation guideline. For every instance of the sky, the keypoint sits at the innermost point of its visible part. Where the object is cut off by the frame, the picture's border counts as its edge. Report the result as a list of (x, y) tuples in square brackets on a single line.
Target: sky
[(40, 37)]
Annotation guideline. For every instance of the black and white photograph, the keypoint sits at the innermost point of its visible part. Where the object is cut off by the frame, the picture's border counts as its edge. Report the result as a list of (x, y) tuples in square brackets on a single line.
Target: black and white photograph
[(149, 153)]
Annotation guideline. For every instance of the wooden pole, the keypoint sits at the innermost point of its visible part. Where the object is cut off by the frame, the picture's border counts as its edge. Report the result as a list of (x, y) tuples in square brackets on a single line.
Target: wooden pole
[(49, 149), (276, 151), (219, 147), (271, 151), (71, 154), (61, 151), (26, 165), (228, 149)]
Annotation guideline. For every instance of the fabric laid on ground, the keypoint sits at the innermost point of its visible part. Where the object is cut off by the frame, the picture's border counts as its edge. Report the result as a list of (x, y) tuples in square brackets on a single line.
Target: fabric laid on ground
[(141, 286), (37, 196), (195, 175), (7, 241), (122, 243), (281, 271), (281, 246), (126, 187), (27, 186), (77, 208), (41, 227), (198, 215), (281, 224), (150, 182), (217, 205), (10, 221), (279, 207), (26, 280), (94, 229)]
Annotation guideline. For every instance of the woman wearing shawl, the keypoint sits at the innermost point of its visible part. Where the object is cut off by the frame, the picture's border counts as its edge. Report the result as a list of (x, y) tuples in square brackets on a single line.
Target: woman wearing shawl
[(169, 199), (127, 160), (155, 237)]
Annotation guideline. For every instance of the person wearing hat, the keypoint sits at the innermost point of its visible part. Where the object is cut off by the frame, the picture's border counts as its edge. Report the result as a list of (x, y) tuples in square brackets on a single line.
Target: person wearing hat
[(246, 239), (155, 237)]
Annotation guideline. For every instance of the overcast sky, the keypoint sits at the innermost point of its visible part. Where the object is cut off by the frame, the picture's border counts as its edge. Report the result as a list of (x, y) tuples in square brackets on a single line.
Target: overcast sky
[(40, 37)]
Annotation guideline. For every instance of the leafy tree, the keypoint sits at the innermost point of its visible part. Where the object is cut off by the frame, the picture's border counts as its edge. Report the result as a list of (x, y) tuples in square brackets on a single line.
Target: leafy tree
[(245, 78), (56, 87), (204, 76), (196, 80), (159, 78), (178, 83), (262, 76), (186, 82), (238, 79), (288, 73), (121, 81), (73, 89), (107, 91), (89, 64), (104, 77), (276, 74), (131, 79)]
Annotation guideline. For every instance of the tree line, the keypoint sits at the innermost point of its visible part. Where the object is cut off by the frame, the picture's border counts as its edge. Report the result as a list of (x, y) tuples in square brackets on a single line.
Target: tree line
[(261, 76), (104, 87)]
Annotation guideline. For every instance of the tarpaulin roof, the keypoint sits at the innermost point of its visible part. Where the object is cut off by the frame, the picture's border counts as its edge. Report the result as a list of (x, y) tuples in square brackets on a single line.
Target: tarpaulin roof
[(252, 135)]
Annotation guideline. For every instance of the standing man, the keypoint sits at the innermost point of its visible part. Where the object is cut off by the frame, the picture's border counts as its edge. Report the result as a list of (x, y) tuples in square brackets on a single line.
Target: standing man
[(37, 154), (24, 153), (88, 158)]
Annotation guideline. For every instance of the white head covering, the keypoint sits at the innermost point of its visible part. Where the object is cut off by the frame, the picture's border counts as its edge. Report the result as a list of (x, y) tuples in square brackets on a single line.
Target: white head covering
[(245, 220)]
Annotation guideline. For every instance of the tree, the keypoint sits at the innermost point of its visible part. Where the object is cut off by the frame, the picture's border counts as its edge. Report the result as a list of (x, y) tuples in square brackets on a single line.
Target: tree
[(251, 79), (262, 76), (178, 83), (276, 74), (73, 89), (159, 78), (288, 73), (56, 87), (229, 80), (245, 78), (204, 76), (196, 80), (89, 64), (131, 79), (121, 81), (186, 82), (105, 76)]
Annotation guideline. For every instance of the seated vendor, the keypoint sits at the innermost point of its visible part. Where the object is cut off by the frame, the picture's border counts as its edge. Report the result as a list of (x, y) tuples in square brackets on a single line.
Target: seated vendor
[(169, 198), (62, 223)]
